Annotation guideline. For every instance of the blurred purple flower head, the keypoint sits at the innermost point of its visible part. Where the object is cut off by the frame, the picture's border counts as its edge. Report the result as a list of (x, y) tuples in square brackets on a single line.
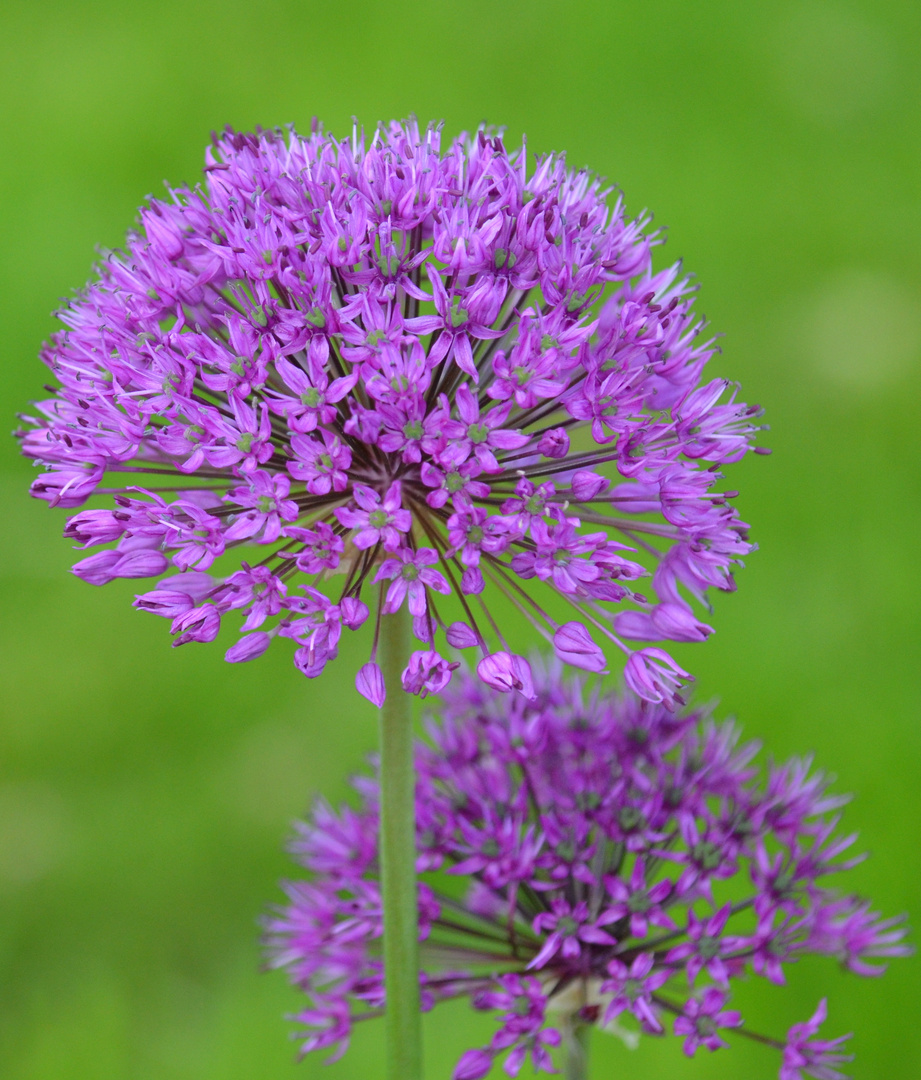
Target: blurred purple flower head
[(396, 373), (585, 860)]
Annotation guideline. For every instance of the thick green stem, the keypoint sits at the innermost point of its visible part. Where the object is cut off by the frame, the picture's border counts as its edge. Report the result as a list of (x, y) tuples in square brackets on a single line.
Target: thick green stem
[(576, 1049), (398, 859)]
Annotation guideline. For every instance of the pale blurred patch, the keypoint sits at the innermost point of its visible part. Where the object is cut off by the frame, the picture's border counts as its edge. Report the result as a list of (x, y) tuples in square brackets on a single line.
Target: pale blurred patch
[(34, 832), (863, 330), (31, 541), (833, 62), (273, 773)]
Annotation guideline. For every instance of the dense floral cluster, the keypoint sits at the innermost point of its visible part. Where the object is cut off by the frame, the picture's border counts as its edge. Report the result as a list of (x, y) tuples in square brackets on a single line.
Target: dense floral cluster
[(623, 864), (400, 369)]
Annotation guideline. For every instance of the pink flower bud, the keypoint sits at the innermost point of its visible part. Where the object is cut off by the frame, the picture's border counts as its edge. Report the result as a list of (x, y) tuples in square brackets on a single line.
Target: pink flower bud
[(97, 569), (427, 673), (140, 563), (473, 1065), (354, 612), (587, 485), (472, 581), (95, 527), (507, 671), (197, 624), (554, 443), (461, 636), (369, 682), (574, 645), (248, 648)]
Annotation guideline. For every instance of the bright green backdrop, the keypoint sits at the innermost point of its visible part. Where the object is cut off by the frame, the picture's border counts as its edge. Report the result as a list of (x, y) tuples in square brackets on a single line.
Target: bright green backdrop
[(145, 792)]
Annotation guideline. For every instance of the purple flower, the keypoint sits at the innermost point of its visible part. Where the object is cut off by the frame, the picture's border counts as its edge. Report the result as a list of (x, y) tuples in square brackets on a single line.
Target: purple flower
[(632, 989), (567, 927), (804, 1055), (848, 930), (269, 506), (704, 947), (521, 1004), (411, 576), (379, 520), (588, 831), (260, 350), (427, 673), (654, 676), (322, 547), (702, 1018), (322, 463), (639, 902)]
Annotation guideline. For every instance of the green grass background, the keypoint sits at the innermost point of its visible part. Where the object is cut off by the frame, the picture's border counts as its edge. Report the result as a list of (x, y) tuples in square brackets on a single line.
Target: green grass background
[(145, 792)]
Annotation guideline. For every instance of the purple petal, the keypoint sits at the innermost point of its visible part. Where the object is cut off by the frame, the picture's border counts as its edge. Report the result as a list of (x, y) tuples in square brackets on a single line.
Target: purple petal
[(574, 645), (506, 671), (473, 1065), (248, 648), (369, 682), (460, 635)]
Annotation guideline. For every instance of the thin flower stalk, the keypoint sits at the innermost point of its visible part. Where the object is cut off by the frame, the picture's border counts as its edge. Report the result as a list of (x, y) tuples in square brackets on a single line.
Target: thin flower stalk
[(398, 861)]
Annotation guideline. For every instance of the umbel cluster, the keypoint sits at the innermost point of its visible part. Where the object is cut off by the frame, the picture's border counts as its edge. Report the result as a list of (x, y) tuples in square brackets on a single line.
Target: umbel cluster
[(393, 374), (342, 380)]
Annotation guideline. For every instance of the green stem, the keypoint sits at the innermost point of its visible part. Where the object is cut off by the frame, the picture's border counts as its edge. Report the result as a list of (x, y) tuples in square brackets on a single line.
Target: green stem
[(576, 1049), (398, 859)]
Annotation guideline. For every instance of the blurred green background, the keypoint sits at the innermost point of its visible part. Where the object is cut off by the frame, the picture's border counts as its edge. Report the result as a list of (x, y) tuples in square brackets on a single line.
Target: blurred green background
[(145, 792)]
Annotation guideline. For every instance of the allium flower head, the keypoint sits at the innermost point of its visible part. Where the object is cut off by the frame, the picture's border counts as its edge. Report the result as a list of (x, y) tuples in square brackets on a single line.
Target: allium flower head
[(585, 860), (396, 373)]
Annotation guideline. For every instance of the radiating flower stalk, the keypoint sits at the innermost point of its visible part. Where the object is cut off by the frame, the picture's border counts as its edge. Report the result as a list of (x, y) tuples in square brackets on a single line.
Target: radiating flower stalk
[(589, 863)]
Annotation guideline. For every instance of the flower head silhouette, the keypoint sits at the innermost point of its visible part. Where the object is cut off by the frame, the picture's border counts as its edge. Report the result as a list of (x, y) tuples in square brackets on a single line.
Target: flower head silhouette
[(585, 861), (388, 372)]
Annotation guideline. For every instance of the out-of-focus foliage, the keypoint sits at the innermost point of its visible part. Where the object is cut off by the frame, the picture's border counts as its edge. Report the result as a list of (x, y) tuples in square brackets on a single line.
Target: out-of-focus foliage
[(145, 792)]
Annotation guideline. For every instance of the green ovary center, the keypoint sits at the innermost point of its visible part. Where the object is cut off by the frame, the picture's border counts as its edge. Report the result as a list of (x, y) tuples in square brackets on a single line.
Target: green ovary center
[(708, 947), (377, 519), (707, 854)]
